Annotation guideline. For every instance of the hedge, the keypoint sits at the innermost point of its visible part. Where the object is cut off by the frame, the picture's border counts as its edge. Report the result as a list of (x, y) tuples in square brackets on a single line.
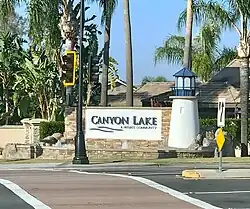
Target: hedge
[(49, 128), (232, 126)]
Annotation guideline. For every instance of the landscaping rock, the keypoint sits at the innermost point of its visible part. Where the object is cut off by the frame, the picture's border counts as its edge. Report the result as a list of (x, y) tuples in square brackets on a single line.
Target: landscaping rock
[(57, 136), (49, 140)]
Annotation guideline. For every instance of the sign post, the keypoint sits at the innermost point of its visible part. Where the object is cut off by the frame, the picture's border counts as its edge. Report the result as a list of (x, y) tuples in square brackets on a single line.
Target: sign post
[(220, 139)]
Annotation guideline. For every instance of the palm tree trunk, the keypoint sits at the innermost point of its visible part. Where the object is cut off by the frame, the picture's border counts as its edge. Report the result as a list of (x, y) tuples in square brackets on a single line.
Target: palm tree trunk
[(129, 56), (104, 89), (187, 62), (70, 45), (6, 95), (244, 91)]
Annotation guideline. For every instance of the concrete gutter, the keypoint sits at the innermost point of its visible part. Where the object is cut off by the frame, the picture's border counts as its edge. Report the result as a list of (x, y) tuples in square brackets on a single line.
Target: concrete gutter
[(106, 165), (215, 174), (69, 166)]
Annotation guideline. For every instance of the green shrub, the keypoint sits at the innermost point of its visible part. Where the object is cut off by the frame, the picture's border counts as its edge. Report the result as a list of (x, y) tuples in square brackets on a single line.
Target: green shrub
[(49, 128), (232, 126)]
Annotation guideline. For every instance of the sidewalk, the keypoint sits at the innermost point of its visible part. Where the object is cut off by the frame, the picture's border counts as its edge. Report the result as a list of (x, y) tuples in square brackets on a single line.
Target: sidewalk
[(215, 174), (63, 190)]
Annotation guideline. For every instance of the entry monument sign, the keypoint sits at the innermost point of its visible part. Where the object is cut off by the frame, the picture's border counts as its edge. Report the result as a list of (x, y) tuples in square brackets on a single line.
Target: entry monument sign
[(123, 124)]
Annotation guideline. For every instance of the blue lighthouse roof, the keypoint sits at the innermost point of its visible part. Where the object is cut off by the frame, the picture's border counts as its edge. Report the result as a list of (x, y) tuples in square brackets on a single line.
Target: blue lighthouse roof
[(185, 72)]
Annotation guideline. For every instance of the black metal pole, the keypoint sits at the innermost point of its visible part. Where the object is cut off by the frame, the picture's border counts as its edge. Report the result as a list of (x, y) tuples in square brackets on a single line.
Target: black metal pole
[(80, 147)]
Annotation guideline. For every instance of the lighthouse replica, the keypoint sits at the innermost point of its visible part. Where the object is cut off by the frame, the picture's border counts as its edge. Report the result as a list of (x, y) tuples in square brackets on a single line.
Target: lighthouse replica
[(184, 124)]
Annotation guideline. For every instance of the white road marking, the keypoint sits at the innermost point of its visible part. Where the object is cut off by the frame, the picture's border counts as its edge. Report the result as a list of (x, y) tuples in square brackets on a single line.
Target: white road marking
[(159, 187), (30, 169), (226, 192), (24, 195)]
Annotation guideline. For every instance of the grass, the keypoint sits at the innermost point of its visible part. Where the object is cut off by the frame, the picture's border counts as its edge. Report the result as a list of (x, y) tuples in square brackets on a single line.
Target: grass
[(167, 161)]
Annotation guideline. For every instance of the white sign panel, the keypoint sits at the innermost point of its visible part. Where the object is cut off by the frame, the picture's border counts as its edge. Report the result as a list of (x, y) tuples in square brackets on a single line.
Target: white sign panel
[(123, 124), (221, 112)]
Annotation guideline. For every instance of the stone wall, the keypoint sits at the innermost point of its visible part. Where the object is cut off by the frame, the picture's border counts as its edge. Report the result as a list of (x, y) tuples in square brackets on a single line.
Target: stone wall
[(17, 152), (117, 144), (23, 151), (97, 149), (32, 129)]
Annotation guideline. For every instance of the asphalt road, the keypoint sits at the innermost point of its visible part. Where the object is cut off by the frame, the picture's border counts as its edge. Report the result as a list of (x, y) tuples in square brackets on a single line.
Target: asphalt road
[(221, 193), (233, 193), (9, 200)]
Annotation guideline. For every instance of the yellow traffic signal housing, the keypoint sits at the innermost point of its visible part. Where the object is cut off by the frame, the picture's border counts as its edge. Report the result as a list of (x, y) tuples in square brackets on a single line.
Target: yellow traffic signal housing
[(69, 68)]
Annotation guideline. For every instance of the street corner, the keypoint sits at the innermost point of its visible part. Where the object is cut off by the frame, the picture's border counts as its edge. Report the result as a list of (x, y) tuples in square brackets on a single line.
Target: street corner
[(191, 174)]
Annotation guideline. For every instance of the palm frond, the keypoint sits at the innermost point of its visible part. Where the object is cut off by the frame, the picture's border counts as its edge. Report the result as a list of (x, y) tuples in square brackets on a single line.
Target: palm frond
[(7, 10), (226, 55), (43, 22), (172, 51), (208, 39), (108, 8), (212, 11)]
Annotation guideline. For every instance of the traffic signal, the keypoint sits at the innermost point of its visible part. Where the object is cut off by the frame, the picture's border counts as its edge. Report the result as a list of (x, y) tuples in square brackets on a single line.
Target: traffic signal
[(93, 69), (96, 94), (69, 68)]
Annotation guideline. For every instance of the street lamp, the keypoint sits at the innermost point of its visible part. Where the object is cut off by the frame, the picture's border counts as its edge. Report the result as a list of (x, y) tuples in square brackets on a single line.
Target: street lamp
[(80, 147)]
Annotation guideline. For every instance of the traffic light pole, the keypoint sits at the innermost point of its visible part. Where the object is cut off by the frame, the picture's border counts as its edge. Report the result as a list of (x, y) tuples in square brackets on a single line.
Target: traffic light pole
[(80, 147)]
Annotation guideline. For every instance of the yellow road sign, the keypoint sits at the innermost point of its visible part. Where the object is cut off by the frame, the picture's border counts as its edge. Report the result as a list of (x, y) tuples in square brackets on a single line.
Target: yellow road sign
[(220, 139)]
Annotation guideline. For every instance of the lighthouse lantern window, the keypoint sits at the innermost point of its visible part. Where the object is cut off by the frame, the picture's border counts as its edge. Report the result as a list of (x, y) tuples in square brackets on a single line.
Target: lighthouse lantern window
[(187, 83), (179, 82), (184, 83)]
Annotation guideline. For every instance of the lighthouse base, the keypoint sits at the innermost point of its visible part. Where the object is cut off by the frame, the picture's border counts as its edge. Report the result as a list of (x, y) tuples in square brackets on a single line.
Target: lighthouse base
[(184, 124)]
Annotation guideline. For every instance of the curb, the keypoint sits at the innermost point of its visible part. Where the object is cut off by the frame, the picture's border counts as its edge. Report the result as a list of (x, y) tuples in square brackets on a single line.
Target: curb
[(106, 165), (190, 174)]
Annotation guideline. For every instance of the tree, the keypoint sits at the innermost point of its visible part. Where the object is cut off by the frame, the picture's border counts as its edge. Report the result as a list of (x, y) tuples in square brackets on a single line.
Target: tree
[(53, 28), (187, 59), (94, 91), (59, 32), (112, 72), (108, 7), (39, 81), (233, 14), (16, 24), (207, 57), (129, 56), (148, 79), (7, 12), (11, 59)]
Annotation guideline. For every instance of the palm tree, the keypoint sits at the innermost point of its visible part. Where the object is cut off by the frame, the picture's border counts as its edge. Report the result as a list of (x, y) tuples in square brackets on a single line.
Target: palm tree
[(188, 40), (108, 7), (228, 15), (53, 26), (129, 56), (207, 57)]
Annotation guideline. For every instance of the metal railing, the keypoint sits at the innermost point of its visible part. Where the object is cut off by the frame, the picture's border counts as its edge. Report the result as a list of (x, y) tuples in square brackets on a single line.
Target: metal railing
[(177, 91)]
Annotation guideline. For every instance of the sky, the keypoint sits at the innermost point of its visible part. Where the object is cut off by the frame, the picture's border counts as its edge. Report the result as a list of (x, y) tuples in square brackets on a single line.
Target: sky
[(151, 25)]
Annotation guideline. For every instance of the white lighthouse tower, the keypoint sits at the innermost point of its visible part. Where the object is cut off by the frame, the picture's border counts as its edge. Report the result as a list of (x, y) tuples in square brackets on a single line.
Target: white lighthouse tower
[(184, 124)]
